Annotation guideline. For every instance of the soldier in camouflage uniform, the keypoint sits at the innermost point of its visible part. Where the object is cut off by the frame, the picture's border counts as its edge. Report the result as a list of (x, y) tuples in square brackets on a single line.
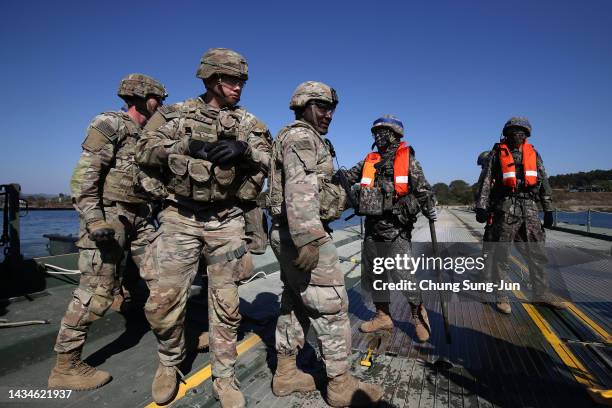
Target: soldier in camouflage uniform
[(513, 181), (114, 217), (303, 201), (502, 303), (391, 194), (213, 155)]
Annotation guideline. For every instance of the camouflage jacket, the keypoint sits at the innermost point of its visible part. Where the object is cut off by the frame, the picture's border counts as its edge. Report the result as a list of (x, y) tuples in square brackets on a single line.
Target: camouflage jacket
[(164, 145), (387, 225), (106, 170), (301, 191), (494, 196)]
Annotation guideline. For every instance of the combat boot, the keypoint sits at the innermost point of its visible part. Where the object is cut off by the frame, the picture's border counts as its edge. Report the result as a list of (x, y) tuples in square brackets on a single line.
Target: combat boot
[(421, 322), (346, 390), (550, 300), (289, 379), (381, 321), (165, 384), (203, 342), (502, 304), (227, 392), (72, 373)]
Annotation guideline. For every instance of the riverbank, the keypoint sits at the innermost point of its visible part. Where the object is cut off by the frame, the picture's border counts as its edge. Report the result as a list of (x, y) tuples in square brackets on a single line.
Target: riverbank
[(566, 201)]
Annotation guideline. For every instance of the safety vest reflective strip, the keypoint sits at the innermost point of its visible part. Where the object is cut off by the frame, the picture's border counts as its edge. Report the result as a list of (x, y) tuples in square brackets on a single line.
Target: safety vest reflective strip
[(508, 168), (401, 166), (369, 171)]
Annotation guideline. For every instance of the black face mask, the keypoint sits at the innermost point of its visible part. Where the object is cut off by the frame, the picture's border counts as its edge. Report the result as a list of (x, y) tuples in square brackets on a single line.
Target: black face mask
[(383, 138), (516, 137)]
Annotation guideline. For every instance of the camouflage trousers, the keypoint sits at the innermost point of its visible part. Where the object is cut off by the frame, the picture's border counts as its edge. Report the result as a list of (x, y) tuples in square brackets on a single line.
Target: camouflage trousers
[(304, 304), (170, 265), (373, 248), (529, 236), (100, 266)]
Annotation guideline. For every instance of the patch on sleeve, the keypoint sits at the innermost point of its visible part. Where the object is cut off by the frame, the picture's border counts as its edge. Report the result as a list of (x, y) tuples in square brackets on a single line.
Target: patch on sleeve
[(106, 128), (169, 111), (305, 153), (95, 140)]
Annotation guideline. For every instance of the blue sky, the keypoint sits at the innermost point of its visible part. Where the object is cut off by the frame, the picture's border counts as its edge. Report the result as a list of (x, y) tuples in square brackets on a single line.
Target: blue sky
[(453, 71)]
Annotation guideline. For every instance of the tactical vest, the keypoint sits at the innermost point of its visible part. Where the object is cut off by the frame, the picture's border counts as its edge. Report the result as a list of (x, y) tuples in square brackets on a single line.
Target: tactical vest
[(199, 179), (121, 183), (332, 198), (508, 167)]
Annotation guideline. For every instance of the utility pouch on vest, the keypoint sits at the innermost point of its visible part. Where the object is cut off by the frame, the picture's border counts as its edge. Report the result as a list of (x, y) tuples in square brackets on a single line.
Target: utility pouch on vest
[(251, 186), (332, 200), (388, 192), (223, 174), (119, 186), (190, 177), (406, 209), (370, 201), (201, 180), (228, 125)]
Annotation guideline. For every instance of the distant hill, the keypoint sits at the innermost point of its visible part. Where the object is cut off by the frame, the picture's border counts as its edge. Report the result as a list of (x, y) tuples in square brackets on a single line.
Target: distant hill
[(601, 178)]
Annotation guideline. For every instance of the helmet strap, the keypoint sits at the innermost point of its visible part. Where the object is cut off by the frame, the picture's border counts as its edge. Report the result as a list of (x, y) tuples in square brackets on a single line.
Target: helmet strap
[(314, 116)]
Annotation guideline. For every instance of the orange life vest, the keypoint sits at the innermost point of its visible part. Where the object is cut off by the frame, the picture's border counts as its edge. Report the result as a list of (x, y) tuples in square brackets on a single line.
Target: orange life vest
[(508, 168), (401, 165)]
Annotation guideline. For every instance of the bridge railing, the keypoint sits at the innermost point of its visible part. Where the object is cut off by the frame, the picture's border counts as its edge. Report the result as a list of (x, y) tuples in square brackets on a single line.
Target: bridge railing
[(589, 219)]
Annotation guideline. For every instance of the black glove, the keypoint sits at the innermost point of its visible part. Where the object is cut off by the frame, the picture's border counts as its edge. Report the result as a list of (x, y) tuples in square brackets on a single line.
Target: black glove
[(431, 213), (337, 177), (199, 149), (100, 231), (226, 151), (481, 215), (549, 219)]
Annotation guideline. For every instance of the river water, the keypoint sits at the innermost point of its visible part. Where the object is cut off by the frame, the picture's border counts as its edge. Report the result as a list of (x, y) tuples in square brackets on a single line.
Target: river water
[(36, 223)]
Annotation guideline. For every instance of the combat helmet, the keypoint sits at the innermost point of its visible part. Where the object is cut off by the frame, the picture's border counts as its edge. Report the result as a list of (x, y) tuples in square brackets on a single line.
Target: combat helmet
[(141, 85), (222, 61), (389, 121), (312, 90), (518, 121), (482, 158)]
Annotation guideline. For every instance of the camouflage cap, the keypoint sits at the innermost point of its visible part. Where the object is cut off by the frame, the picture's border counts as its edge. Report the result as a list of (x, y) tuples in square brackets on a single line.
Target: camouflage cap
[(222, 61), (389, 121), (141, 85), (312, 90), (518, 121), (482, 157)]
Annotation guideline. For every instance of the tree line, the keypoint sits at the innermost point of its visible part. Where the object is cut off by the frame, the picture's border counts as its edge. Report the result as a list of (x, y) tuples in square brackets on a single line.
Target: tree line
[(600, 178), (459, 192)]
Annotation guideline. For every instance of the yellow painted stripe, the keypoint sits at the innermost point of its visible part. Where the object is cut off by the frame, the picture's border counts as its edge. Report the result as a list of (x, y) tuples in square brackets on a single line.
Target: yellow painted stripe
[(579, 371), (589, 322), (607, 338), (204, 373), (603, 397)]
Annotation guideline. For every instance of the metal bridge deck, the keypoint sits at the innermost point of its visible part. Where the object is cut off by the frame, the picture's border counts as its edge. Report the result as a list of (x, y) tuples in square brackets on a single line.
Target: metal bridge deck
[(519, 360)]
